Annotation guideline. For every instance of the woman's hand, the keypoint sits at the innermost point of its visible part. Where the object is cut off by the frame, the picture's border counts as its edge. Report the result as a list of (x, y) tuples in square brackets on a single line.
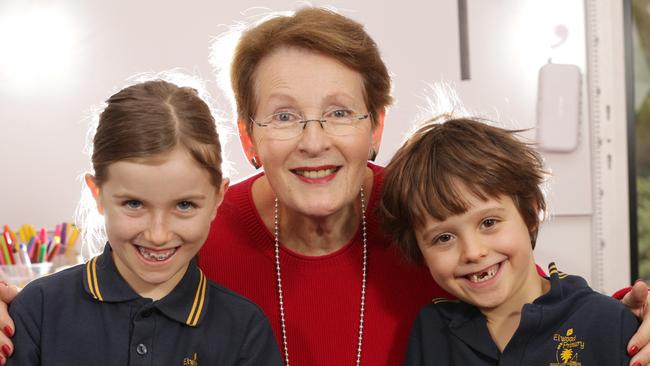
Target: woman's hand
[(638, 301), (7, 295)]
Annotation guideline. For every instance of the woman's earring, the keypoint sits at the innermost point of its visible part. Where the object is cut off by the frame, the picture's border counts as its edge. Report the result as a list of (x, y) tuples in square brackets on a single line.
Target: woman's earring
[(255, 163), (373, 154)]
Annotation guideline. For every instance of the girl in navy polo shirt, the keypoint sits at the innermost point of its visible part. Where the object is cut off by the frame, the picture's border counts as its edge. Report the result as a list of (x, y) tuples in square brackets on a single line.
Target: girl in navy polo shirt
[(157, 181)]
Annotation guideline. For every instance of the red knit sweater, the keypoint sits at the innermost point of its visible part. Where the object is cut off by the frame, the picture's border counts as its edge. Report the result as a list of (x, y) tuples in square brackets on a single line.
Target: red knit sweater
[(321, 294)]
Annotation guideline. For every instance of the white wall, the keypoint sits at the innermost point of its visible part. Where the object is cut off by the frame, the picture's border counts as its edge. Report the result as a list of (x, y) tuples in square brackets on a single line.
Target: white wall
[(43, 122)]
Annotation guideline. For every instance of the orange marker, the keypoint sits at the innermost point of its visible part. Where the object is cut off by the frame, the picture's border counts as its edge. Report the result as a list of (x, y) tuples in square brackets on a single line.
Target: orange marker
[(12, 235)]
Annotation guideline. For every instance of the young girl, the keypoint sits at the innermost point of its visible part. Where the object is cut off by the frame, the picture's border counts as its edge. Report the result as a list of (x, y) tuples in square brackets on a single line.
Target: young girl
[(157, 181)]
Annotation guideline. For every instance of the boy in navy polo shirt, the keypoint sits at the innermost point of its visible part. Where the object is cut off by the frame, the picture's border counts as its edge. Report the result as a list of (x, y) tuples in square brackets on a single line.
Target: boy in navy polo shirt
[(157, 181), (465, 197)]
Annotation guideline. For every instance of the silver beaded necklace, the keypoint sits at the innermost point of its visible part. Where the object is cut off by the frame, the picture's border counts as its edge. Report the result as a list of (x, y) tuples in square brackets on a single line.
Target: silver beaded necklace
[(276, 227)]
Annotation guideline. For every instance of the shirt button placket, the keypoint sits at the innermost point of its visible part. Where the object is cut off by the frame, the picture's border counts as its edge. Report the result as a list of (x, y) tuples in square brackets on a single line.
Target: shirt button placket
[(141, 338)]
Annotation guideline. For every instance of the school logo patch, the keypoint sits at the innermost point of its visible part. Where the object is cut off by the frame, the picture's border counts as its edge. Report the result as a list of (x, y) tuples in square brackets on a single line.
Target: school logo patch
[(568, 349), (191, 361)]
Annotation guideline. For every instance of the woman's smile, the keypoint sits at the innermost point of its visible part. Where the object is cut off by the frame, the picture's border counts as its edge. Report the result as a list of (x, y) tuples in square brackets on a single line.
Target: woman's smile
[(320, 174), (316, 173)]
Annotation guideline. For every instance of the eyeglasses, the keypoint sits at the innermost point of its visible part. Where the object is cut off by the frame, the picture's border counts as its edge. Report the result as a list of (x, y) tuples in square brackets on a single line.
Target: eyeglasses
[(287, 125)]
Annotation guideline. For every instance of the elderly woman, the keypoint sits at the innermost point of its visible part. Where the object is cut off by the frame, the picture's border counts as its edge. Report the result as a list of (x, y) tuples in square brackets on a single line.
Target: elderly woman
[(302, 239)]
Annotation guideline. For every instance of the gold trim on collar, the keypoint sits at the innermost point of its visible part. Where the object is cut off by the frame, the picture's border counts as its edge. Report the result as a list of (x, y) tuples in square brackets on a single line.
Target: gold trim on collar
[(197, 306), (91, 274), (553, 270), (438, 300)]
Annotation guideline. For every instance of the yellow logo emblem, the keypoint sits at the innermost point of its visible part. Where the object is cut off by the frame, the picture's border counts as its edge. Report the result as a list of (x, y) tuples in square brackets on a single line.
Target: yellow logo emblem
[(566, 353), (190, 361)]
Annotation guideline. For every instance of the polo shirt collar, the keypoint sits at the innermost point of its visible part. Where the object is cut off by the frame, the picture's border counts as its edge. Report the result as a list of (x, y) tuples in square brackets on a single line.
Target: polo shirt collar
[(103, 282), (557, 291), (468, 323), (186, 303)]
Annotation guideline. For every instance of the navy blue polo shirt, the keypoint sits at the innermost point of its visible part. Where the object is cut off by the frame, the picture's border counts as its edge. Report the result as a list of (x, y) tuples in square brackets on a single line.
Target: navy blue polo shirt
[(88, 315), (569, 325)]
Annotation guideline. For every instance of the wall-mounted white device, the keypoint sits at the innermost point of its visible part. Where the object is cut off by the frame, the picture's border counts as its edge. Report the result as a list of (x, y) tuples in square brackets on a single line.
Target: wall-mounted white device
[(558, 107)]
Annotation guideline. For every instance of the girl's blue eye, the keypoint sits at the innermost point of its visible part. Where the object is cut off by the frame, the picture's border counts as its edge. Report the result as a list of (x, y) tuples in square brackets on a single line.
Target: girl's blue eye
[(185, 206), (133, 204)]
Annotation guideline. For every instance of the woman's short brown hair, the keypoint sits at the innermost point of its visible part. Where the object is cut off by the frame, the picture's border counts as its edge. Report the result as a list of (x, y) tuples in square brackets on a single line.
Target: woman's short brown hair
[(313, 29), (422, 180), (151, 118)]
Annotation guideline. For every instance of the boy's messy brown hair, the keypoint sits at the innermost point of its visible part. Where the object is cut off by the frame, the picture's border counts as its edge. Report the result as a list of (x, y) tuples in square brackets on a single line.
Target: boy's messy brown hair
[(422, 180)]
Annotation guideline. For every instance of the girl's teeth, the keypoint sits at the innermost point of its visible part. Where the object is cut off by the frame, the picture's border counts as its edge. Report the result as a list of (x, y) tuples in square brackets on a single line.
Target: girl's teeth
[(156, 256), (484, 275)]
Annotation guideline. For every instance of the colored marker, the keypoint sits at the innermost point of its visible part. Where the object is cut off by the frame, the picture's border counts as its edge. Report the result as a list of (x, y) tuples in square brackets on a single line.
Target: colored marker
[(12, 235), (69, 249), (36, 251), (31, 246), (5, 251), (64, 233), (56, 242), (8, 230), (41, 253), (31, 230), (53, 253), (22, 234), (24, 255), (57, 234), (2, 245), (43, 236), (9, 246)]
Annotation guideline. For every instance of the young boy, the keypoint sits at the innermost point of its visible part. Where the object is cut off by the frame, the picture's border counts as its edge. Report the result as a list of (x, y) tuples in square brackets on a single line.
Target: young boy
[(465, 198), (157, 182)]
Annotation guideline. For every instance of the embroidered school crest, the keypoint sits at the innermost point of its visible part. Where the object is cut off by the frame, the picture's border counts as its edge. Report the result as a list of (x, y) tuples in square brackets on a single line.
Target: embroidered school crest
[(567, 351), (190, 361)]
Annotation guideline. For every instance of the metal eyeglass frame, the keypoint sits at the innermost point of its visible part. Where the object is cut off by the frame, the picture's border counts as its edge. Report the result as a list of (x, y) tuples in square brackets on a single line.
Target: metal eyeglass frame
[(319, 120)]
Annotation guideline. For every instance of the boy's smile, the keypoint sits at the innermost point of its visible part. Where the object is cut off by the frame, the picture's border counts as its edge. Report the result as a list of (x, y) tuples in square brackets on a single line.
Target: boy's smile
[(158, 214), (482, 276), (483, 256)]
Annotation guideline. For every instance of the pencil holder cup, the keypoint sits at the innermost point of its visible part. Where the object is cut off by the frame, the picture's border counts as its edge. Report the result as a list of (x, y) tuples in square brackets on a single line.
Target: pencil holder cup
[(62, 261), (21, 274)]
